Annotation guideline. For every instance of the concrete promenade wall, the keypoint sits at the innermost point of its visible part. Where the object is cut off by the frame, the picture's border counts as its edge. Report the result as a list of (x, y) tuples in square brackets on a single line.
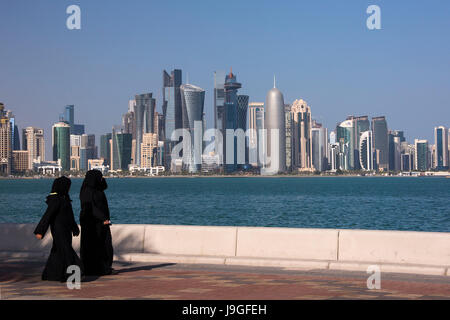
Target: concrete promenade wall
[(394, 251)]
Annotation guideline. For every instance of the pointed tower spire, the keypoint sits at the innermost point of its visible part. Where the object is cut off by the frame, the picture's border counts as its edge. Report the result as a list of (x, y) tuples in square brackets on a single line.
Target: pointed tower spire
[(274, 82), (231, 72)]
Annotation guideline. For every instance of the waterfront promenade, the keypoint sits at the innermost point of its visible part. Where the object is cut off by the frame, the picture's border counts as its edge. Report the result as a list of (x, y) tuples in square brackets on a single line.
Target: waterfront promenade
[(20, 279)]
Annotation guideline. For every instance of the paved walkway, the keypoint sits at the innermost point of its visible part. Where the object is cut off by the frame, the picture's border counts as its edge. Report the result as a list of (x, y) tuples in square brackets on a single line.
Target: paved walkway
[(21, 280)]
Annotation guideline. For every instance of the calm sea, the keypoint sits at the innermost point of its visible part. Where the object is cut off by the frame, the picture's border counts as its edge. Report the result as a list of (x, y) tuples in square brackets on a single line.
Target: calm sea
[(403, 203)]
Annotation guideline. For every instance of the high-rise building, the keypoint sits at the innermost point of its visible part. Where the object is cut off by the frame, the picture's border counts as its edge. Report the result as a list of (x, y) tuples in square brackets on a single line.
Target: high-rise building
[(301, 136), (380, 142), (360, 124), (120, 149), (242, 110), (366, 151), (172, 111), (276, 132), (33, 141), (192, 101), (256, 137), (15, 140), (105, 148), (20, 161), (144, 120), (421, 155), (288, 123), (219, 109), (68, 116), (345, 137), (61, 144), (75, 156), (395, 138), (88, 150), (319, 147), (441, 143), (5, 143), (128, 120), (149, 148), (230, 121)]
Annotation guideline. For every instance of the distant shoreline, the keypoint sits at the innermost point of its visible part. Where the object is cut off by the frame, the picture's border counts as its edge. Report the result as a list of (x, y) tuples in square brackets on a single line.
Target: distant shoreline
[(236, 176)]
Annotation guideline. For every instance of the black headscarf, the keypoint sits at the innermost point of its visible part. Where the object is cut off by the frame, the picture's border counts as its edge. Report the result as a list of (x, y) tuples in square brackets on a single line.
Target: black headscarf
[(61, 187), (94, 179)]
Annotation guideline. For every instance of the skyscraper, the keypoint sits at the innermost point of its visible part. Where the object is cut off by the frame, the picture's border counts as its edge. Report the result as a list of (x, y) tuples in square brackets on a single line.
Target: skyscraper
[(105, 148), (149, 148), (345, 137), (144, 116), (88, 150), (5, 143), (319, 146), (360, 124), (441, 143), (256, 138), (275, 126), (219, 108), (120, 149), (380, 143), (68, 116), (192, 101), (289, 123), (61, 144), (230, 121), (301, 136), (33, 142), (365, 151), (395, 138), (421, 155), (172, 111)]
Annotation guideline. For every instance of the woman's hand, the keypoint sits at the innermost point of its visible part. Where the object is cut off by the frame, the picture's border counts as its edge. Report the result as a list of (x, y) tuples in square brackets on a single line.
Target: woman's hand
[(107, 222), (39, 236)]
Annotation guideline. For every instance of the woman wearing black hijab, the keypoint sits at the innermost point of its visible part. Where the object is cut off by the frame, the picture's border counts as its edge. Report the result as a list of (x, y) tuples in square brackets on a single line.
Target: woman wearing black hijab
[(59, 216), (96, 243)]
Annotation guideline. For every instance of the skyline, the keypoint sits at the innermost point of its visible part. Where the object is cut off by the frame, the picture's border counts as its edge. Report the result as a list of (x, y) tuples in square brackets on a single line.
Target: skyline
[(343, 69)]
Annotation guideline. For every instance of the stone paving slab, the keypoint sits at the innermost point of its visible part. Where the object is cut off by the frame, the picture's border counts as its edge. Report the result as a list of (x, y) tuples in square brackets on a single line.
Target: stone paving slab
[(21, 280)]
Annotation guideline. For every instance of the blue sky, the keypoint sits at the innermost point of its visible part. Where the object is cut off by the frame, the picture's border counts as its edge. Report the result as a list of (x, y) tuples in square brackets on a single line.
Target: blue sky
[(320, 51)]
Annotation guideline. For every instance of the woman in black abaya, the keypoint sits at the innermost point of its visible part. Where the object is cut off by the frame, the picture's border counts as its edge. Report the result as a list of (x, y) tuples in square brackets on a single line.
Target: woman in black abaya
[(96, 243), (59, 216)]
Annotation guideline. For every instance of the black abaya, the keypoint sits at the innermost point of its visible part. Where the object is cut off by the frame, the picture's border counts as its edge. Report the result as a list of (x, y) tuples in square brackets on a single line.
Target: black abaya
[(96, 243), (59, 216)]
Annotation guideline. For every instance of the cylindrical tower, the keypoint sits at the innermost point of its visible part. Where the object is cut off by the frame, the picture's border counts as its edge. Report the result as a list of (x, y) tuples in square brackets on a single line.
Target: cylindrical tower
[(275, 125)]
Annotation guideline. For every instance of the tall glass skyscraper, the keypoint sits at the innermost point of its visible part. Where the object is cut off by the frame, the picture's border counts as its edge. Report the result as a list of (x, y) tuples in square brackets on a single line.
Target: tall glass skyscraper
[(172, 110), (366, 151), (380, 143), (441, 143), (421, 155), (230, 119), (105, 148), (256, 139), (345, 137), (395, 138), (192, 101), (120, 149), (144, 117), (61, 144), (219, 105)]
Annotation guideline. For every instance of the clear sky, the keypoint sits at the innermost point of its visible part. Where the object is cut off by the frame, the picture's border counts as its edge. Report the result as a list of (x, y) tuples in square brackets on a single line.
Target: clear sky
[(320, 51)]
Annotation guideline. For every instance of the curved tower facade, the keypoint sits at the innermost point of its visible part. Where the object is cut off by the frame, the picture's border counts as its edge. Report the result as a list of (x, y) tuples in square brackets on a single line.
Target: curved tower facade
[(192, 102), (274, 123), (365, 151)]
